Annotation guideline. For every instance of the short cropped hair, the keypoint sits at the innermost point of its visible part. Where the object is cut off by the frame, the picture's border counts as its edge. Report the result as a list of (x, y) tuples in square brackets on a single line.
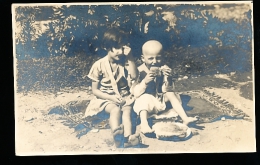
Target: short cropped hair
[(114, 37)]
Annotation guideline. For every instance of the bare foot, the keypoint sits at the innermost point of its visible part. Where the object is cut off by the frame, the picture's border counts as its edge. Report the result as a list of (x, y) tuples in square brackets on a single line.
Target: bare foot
[(144, 128), (190, 120), (132, 141)]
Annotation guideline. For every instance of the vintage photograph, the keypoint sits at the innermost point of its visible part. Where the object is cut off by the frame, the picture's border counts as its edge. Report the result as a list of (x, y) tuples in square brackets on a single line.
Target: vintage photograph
[(120, 78)]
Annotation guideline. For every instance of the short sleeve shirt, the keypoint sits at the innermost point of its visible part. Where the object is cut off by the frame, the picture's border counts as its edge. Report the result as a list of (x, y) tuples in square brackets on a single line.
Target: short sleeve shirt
[(99, 73)]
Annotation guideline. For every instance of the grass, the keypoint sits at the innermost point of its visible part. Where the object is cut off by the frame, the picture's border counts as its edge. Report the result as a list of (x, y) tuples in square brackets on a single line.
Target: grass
[(53, 73)]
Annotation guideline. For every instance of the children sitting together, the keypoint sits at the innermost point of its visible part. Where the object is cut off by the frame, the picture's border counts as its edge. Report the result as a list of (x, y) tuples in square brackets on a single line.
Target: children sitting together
[(120, 87)]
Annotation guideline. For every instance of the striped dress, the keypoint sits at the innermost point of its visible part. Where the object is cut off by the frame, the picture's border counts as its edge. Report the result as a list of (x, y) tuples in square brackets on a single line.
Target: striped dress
[(113, 83)]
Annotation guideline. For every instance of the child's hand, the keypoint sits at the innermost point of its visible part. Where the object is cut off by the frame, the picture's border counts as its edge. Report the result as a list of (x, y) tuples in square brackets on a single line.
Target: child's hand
[(127, 50), (149, 77), (166, 70), (117, 99)]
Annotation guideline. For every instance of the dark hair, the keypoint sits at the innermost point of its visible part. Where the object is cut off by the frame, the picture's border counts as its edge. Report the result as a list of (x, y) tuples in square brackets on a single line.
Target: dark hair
[(114, 37)]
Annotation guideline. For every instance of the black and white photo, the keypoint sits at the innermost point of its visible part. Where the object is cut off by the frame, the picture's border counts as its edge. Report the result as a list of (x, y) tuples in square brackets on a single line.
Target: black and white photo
[(117, 78)]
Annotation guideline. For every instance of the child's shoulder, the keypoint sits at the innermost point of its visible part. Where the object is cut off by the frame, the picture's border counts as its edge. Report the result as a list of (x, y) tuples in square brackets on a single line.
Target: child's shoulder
[(98, 65), (99, 62), (141, 67)]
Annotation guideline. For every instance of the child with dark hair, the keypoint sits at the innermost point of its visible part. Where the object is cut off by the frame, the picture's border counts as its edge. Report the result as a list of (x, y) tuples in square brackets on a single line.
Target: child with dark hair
[(112, 78)]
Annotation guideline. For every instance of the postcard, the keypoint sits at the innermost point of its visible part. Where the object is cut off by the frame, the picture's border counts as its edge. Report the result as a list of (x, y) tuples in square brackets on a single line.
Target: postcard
[(133, 77)]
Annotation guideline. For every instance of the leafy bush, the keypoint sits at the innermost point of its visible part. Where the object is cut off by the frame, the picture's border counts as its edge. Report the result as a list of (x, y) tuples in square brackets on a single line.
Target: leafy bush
[(45, 31)]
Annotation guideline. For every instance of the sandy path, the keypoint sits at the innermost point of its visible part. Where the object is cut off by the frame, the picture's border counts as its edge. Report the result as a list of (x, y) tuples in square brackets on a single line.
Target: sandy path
[(40, 134)]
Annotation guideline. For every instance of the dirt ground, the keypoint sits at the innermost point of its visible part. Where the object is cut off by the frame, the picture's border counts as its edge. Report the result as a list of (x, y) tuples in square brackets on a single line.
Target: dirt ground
[(38, 133)]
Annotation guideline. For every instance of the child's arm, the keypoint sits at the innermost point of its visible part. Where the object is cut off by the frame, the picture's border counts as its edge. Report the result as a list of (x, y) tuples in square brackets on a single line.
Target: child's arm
[(103, 95), (170, 83), (132, 69), (140, 86), (166, 70)]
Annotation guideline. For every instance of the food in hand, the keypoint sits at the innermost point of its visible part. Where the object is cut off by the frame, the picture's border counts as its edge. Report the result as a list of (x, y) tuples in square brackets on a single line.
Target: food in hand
[(155, 70)]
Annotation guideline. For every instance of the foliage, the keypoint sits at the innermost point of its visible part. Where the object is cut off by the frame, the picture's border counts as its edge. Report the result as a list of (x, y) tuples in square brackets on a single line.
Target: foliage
[(70, 30)]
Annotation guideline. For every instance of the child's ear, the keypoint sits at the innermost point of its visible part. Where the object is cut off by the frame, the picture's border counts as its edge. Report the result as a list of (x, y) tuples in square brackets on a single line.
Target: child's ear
[(111, 49), (142, 58)]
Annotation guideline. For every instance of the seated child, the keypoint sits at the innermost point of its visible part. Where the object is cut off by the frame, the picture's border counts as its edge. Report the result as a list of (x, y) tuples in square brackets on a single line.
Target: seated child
[(154, 88), (111, 82)]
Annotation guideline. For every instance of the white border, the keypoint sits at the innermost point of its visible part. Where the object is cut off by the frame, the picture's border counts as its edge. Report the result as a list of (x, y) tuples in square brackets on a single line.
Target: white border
[(131, 3), (139, 151), (253, 70)]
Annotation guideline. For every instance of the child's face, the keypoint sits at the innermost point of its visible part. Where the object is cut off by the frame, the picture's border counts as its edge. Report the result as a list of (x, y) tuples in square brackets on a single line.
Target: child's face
[(152, 57), (116, 53)]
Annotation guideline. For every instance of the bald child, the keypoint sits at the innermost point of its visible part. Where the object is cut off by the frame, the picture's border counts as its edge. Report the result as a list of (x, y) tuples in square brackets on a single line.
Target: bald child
[(153, 87)]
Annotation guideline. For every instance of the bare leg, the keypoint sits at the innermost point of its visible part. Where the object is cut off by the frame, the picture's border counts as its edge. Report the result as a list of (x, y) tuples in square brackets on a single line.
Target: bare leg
[(144, 126), (126, 120), (130, 139), (178, 97), (115, 115), (176, 104), (114, 121)]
